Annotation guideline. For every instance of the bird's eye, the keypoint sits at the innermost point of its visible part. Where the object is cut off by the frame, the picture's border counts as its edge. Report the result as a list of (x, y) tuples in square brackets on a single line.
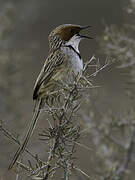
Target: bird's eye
[(72, 31)]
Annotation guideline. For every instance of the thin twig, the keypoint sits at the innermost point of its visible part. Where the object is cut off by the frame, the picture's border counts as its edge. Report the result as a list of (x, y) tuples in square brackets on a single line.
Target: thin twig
[(10, 136)]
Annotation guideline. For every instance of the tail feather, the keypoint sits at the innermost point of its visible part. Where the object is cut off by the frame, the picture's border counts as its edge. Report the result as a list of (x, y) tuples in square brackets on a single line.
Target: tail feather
[(28, 133)]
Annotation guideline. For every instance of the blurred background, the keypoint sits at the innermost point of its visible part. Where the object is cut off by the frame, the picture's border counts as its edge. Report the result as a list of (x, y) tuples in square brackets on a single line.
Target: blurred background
[(108, 115)]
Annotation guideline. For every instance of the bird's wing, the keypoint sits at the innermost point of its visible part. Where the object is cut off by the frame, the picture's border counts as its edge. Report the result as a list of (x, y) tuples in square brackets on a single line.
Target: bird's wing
[(52, 63)]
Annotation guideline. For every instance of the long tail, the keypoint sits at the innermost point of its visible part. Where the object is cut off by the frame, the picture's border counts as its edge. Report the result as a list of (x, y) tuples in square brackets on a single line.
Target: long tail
[(28, 133)]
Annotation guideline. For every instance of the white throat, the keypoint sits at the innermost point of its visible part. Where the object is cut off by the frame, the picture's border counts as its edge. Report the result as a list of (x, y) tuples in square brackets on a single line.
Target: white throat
[(74, 58), (74, 42)]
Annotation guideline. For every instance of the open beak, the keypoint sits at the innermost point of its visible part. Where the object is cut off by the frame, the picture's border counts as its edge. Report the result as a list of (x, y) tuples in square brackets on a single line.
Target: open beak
[(83, 36)]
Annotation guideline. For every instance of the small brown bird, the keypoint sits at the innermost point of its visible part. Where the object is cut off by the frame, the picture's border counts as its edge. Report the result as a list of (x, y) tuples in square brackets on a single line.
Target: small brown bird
[(62, 64)]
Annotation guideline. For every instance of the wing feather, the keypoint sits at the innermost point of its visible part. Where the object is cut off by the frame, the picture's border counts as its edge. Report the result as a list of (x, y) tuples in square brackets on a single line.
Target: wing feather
[(52, 63)]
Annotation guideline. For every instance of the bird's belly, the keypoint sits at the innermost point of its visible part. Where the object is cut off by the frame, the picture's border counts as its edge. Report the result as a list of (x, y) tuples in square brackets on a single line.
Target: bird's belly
[(71, 67), (74, 62)]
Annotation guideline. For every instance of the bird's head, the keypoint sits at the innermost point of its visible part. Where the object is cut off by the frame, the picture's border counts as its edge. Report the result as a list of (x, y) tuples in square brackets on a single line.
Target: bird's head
[(66, 34)]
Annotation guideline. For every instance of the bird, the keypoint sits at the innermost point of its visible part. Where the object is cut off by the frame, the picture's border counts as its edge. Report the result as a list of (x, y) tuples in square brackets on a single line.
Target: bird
[(62, 64)]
